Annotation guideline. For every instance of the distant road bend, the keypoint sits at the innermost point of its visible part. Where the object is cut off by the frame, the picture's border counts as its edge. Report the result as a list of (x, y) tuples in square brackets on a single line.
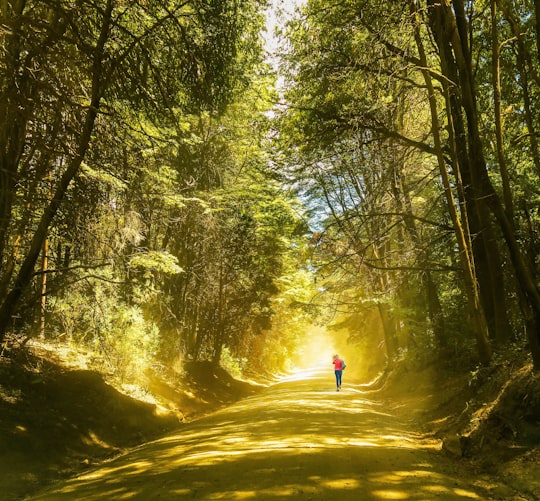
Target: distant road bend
[(298, 439)]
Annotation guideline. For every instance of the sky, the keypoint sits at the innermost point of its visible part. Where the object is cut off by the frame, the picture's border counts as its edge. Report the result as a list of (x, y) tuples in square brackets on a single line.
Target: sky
[(277, 14)]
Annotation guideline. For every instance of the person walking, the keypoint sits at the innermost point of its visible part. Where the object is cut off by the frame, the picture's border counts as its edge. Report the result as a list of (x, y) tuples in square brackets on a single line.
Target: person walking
[(339, 366)]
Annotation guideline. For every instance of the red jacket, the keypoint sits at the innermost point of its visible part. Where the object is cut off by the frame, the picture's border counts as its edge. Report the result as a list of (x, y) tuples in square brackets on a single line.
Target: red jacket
[(338, 364)]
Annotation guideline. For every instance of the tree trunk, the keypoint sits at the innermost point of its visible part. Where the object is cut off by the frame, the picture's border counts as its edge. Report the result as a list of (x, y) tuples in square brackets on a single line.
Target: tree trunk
[(478, 320), (497, 109), (435, 312), (43, 296), (434, 309), (487, 260), (389, 329), (443, 24), (218, 347)]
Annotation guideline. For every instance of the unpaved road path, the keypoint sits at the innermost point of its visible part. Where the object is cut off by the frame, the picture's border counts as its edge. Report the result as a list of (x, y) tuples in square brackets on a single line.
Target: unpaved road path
[(299, 439)]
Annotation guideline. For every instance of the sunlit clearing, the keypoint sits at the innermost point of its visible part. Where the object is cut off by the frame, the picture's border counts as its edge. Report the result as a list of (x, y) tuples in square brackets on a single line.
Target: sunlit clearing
[(416, 474), (301, 375), (317, 350), (413, 441), (388, 494), (468, 494), (342, 483), (233, 495), (436, 489)]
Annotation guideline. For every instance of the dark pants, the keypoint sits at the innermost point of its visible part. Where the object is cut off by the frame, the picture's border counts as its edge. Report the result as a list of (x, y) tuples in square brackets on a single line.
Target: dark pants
[(338, 378)]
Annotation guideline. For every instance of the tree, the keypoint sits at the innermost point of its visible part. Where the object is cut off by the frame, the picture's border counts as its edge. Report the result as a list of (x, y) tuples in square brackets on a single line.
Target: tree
[(450, 30), (352, 64), (348, 108), (50, 109)]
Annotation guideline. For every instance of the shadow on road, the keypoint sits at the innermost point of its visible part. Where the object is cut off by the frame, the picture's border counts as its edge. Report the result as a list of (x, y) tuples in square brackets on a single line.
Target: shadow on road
[(298, 439)]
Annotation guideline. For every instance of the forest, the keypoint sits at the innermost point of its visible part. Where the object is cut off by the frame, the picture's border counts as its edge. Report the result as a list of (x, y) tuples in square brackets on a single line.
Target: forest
[(138, 215), (172, 192), (165, 197)]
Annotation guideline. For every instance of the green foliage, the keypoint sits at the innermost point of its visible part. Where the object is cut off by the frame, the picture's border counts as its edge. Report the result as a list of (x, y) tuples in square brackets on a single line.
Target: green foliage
[(122, 341), (234, 366), (154, 261), (167, 237), (181, 233), (355, 138)]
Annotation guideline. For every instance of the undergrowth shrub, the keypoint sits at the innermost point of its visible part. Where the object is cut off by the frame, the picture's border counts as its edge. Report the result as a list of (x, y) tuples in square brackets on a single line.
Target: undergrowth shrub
[(234, 366), (122, 341)]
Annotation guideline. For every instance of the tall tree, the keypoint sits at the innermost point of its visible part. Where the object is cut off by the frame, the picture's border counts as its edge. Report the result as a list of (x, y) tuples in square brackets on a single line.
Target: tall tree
[(449, 26), (352, 90), (99, 57)]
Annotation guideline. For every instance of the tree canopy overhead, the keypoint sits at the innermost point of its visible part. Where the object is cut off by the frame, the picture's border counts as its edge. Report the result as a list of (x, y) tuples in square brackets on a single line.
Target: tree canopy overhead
[(389, 121), (132, 176), (161, 192)]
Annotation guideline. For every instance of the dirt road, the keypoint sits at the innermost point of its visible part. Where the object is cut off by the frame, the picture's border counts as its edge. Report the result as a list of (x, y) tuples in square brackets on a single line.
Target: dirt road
[(299, 439)]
